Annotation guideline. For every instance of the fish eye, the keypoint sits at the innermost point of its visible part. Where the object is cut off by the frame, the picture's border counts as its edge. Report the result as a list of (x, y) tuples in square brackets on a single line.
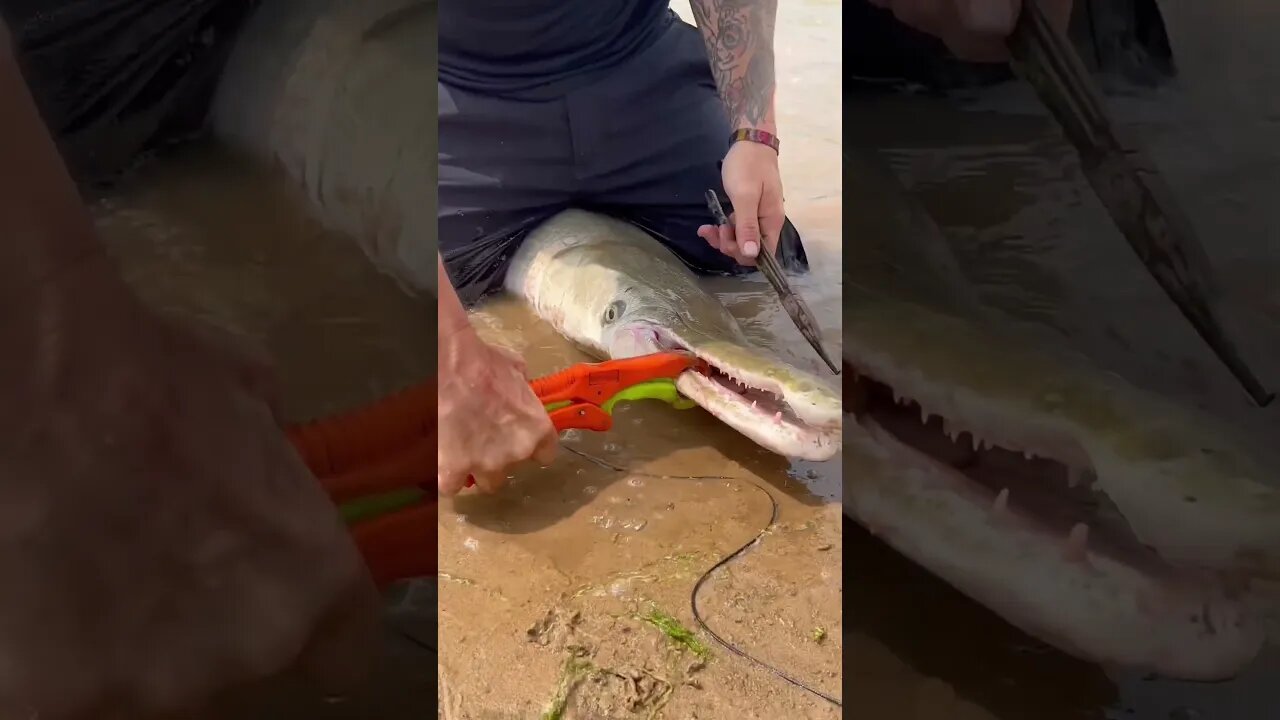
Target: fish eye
[(614, 311)]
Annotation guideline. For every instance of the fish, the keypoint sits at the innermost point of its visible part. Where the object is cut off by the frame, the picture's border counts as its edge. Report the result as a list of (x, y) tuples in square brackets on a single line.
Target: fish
[(615, 291), (1107, 521)]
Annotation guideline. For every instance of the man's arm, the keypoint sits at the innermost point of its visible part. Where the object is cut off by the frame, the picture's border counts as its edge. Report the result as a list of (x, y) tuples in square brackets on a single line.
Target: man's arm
[(44, 227), (489, 418), (739, 38), (451, 315), (52, 266)]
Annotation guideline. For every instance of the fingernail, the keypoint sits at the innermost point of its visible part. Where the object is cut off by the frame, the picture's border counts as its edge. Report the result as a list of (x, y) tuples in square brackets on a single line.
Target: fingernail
[(750, 248), (993, 17)]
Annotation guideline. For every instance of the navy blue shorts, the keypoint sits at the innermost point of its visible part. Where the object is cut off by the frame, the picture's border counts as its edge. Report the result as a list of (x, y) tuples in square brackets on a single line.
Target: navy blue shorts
[(643, 143)]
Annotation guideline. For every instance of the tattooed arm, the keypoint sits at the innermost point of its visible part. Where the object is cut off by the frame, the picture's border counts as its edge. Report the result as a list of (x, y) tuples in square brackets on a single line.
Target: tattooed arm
[(739, 38)]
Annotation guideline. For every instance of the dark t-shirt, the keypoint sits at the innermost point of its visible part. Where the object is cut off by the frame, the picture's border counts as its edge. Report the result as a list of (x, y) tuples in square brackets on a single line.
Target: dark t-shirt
[(536, 49)]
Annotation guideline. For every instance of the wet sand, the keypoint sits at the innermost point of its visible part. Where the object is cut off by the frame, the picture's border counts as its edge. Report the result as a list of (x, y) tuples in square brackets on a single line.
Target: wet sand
[(612, 543)]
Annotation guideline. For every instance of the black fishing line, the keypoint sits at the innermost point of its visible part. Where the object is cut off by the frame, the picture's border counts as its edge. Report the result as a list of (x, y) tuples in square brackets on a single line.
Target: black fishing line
[(697, 616), (413, 639), (693, 595)]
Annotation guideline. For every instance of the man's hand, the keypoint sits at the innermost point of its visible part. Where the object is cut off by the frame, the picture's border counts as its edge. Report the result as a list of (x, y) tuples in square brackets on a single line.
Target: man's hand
[(753, 183), (974, 30), (739, 40), (160, 541), (489, 418)]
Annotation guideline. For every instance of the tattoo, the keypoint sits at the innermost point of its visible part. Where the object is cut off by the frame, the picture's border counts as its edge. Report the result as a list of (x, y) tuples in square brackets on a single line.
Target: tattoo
[(739, 38)]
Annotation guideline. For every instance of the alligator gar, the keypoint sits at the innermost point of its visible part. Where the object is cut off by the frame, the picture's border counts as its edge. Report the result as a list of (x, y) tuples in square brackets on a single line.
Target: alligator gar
[(614, 290), (1098, 517)]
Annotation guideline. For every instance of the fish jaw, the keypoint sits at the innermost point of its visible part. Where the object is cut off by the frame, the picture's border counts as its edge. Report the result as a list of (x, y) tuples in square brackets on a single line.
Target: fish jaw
[(1187, 488), (1124, 587), (771, 431), (1085, 604), (1181, 482), (779, 407)]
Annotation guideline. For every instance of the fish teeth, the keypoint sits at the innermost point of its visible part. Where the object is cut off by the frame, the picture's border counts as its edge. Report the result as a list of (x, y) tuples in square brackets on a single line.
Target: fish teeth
[(1077, 545), (1001, 504), (777, 417)]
